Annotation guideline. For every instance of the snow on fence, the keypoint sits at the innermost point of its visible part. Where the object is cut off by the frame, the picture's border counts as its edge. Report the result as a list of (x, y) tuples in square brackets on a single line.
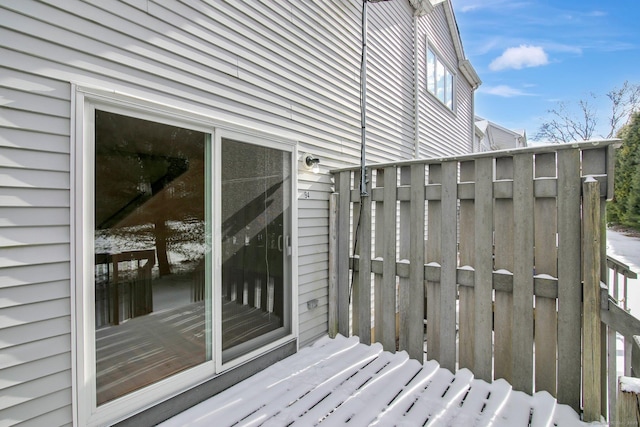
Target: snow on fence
[(497, 253)]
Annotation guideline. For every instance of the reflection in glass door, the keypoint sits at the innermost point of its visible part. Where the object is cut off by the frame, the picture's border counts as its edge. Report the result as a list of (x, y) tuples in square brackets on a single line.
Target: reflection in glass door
[(256, 199), (152, 221)]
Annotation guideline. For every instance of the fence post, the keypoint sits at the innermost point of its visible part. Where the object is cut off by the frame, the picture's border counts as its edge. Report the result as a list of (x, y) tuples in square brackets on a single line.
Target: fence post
[(591, 322)]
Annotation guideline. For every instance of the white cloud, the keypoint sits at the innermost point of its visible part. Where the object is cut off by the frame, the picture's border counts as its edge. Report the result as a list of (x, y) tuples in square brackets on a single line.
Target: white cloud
[(503, 91), (523, 56)]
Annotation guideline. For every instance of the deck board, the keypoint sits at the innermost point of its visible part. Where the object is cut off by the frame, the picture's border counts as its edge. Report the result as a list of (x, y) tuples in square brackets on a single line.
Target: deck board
[(340, 381)]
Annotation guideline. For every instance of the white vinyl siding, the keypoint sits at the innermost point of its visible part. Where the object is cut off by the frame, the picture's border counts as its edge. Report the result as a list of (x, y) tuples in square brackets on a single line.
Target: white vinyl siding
[(442, 131), (35, 307), (286, 67)]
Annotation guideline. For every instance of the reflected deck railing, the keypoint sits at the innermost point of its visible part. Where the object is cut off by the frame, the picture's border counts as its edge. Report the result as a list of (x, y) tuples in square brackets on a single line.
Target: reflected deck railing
[(499, 252)]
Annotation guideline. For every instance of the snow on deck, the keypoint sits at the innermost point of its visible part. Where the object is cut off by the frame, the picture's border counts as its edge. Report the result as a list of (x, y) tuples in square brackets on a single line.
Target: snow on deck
[(339, 381)]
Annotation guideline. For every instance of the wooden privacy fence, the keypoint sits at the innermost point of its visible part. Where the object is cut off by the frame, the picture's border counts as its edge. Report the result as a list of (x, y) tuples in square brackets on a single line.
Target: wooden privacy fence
[(490, 252)]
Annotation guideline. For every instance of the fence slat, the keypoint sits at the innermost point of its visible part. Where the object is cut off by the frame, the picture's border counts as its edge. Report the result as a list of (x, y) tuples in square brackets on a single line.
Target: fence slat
[(334, 259), (404, 253), (416, 264), (546, 262), (483, 269), (448, 286), (385, 244), (522, 273), (569, 286), (343, 186), (363, 296), (467, 246), (503, 218), (434, 254)]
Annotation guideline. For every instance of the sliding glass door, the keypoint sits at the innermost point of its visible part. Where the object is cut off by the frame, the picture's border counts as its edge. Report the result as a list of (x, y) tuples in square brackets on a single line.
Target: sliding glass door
[(169, 293)]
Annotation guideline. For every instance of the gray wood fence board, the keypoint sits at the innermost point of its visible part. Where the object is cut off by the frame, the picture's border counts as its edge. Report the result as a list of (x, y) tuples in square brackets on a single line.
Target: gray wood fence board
[(448, 286), (546, 325), (404, 253), (343, 185), (503, 316), (466, 294), (416, 263), (483, 269), (522, 273), (434, 255), (363, 297)]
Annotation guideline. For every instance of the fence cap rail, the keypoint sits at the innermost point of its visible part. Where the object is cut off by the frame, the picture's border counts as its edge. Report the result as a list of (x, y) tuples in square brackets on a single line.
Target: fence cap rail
[(551, 148)]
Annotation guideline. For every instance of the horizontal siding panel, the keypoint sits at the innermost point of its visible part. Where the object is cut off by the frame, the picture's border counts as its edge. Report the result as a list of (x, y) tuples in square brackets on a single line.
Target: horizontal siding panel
[(23, 314), (318, 315), (35, 102), (55, 410), (40, 387), (269, 35), (34, 331), (29, 178), (309, 287), (34, 197), (31, 159), (23, 236), (29, 140), (31, 255), (29, 294), (314, 276), (102, 71), (311, 268), (312, 258), (302, 222), (25, 275), (31, 351), (300, 86), (311, 331), (18, 119), (313, 213), (33, 370), (315, 292), (28, 82), (313, 240), (310, 250), (23, 217), (310, 231)]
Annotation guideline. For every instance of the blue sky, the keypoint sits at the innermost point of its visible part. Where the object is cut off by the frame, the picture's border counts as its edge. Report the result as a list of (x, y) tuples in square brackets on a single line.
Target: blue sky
[(532, 54)]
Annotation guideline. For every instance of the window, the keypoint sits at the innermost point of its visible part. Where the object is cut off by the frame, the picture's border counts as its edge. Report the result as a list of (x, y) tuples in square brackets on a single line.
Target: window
[(186, 234), (440, 80)]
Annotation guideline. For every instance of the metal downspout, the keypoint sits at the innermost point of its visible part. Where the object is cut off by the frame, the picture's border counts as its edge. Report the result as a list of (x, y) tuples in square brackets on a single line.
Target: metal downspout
[(416, 89), (363, 102)]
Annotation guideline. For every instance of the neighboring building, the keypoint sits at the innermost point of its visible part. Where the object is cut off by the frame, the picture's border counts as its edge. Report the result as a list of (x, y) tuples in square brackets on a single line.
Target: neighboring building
[(161, 236), (490, 136)]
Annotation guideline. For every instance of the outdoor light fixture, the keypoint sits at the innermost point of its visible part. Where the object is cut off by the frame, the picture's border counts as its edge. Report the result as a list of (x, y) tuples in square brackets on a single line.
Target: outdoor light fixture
[(311, 162)]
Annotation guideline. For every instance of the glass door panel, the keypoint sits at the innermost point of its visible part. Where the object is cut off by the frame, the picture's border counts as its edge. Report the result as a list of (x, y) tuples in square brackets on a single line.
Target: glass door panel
[(256, 200), (152, 256)]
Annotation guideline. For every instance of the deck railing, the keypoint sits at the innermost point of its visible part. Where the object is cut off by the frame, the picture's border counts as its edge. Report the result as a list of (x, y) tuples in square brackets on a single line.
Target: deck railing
[(623, 344), (498, 254)]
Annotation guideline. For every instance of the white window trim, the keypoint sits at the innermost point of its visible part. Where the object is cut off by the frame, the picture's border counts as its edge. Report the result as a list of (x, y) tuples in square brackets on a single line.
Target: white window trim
[(84, 102), (447, 68)]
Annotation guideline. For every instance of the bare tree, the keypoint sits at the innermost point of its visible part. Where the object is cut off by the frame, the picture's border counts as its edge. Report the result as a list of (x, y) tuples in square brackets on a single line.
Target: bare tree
[(624, 101), (568, 124)]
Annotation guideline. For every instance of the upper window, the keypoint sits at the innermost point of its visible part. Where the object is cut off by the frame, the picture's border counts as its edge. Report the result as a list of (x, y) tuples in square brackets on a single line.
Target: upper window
[(440, 80), (187, 238)]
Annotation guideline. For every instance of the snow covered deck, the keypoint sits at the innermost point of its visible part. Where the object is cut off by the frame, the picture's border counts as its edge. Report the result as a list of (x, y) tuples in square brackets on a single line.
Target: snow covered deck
[(339, 381)]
